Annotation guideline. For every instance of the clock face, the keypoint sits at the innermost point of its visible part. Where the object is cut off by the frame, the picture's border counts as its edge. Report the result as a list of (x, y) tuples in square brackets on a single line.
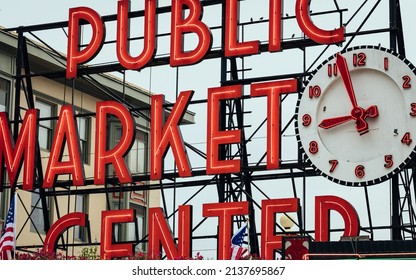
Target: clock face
[(356, 117)]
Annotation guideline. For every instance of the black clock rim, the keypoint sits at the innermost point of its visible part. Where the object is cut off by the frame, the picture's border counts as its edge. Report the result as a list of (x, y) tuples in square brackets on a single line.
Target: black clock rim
[(307, 160)]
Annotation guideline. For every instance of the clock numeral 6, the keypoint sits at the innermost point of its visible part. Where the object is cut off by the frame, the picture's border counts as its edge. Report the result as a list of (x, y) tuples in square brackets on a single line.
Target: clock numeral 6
[(406, 139), (333, 163), (359, 59), (313, 147), (359, 171), (388, 159), (406, 82), (314, 91), (306, 120)]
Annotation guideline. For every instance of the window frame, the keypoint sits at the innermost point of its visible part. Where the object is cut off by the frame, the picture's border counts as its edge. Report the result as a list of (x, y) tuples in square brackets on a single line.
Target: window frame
[(50, 130), (85, 144), (7, 91), (80, 233), (36, 205)]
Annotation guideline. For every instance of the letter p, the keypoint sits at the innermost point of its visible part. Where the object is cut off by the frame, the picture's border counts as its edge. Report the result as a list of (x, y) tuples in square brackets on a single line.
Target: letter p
[(75, 56)]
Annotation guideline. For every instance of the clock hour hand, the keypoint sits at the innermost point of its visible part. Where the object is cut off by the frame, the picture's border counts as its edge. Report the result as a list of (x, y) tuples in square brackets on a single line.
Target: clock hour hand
[(332, 122), (358, 114)]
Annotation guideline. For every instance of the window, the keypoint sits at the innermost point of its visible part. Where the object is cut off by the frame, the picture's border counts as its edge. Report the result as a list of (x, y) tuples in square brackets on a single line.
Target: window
[(137, 162), (84, 132), (80, 206), (126, 232), (46, 110), (3, 205), (4, 94), (117, 228), (37, 219), (141, 227), (137, 157)]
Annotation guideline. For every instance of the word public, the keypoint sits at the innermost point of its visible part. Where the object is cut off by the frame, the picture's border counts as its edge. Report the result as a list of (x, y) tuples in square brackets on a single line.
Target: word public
[(180, 26)]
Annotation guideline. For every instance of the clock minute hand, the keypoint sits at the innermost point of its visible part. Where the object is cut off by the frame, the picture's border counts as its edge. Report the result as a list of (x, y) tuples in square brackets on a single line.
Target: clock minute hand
[(346, 78), (357, 112)]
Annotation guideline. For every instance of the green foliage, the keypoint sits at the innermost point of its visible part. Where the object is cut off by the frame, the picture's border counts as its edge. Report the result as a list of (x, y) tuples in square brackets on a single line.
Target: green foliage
[(89, 253)]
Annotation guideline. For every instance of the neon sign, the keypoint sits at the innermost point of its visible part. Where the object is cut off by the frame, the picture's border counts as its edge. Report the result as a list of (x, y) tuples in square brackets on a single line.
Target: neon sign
[(179, 26), (163, 136), (160, 235), (167, 134)]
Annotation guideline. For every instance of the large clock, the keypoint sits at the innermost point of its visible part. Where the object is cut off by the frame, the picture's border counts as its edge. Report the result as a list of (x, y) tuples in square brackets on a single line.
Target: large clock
[(356, 116)]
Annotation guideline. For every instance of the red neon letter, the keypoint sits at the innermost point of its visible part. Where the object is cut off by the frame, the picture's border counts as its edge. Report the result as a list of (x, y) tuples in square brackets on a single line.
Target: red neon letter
[(225, 213), (75, 56), (311, 30), (216, 137), (122, 47), (108, 250), (66, 130), (323, 205), (62, 224), (114, 156), (269, 241), (231, 45), (192, 24), (160, 234), (12, 155), (275, 25), (273, 90), (163, 136)]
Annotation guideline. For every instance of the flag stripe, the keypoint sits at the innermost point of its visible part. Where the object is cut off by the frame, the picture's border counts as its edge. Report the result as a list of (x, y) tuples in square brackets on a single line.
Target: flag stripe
[(237, 250), (7, 241)]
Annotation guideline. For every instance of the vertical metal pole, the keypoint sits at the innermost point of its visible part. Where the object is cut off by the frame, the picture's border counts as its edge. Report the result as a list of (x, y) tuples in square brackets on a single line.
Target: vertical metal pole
[(396, 28), (221, 177), (246, 181), (395, 31), (18, 84), (395, 211)]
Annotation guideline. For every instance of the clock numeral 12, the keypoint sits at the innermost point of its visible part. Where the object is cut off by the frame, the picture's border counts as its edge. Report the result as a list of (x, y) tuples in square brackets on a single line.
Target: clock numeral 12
[(359, 59), (406, 139), (388, 159), (359, 171)]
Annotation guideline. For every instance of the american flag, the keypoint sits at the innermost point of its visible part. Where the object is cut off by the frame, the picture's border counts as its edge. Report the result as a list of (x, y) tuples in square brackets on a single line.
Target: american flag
[(237, 250), (7, 241)]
